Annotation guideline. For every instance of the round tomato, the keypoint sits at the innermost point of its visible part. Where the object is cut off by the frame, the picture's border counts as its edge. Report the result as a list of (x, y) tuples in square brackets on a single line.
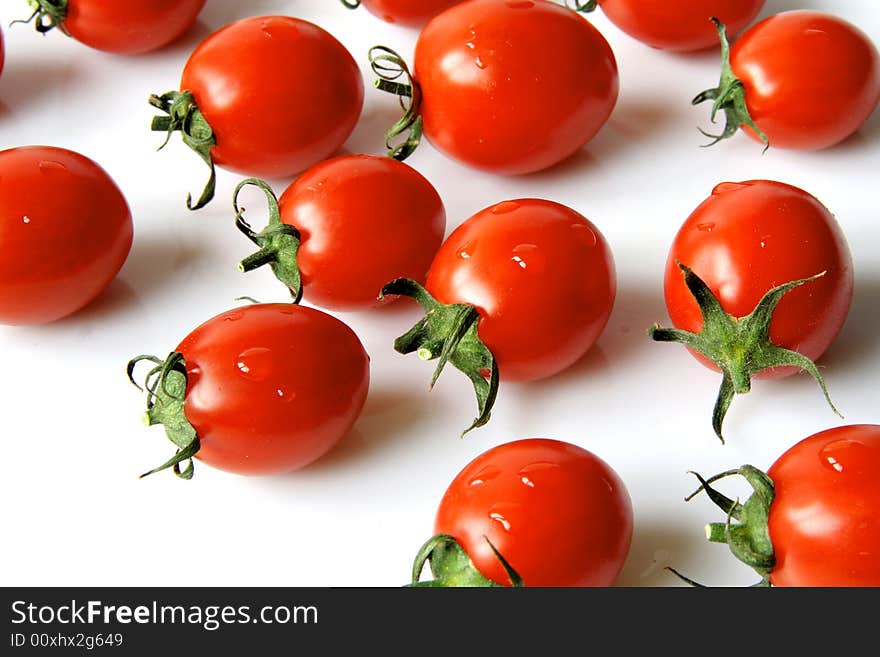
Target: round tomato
[(509, 87), (519, 291), (261, 389), (679, 25), (800, 79), (266, 96), (360, 221), (65, 232), (410, 13), (813, 518), (119, 26), (553, 513), (741, 244)]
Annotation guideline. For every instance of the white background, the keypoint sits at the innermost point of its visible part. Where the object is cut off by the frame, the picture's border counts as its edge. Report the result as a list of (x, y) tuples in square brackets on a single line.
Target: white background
[(72, 510)]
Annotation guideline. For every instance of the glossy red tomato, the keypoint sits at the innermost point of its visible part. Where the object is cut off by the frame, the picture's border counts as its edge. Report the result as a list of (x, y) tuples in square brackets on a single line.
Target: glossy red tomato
[(271, 387), (798, 55), (124, 26), (749, 237), (410, 13), (364, 220), (541, 277), (65, 232), (679, 25), (513, 87), (558, 514), (824, 522)]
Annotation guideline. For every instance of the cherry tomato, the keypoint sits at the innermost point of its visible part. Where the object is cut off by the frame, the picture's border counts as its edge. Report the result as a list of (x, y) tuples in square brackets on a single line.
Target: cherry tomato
[(813, 519), (541, 277), (363, 220), (679, 25), (65, 232), (793, 56), (120, 26), (749, 237), (558, 514), (278, 94), (513, 87), (269, 388), (409, 13)]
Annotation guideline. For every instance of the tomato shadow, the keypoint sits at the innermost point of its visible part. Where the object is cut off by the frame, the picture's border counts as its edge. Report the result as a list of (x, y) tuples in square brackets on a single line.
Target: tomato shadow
[(777, 6), (158, 262), (636, 309), (29, 80), (656, 547), (858, 339), (368, 135)]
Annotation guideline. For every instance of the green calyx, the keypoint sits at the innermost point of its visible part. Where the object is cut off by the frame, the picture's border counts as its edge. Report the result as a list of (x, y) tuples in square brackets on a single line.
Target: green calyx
[(452, 567), (47, 15), (729, 96), (351, 4), (278, 242), (739, 346), (745, 529), (448, 333), (390, 67), (181, 113), (583, 6), (165, 386)]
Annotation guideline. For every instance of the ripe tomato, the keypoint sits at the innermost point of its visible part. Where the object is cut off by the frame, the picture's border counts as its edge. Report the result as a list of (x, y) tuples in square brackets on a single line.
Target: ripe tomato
[(409, 13), (519, 291), (266, 96), (678, 25), (261, 389), (790, 57), (119, 26), (813, 519), (745, 240), (383, 210), (65, 232), (512, 87), (556, 513)]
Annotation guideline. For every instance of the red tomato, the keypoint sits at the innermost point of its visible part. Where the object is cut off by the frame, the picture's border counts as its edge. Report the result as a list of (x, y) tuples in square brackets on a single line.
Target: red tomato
[(679, 25), (410, 13), (749, 237), (541, 277), (65, 232), (513, 87), (383, 210), (269, 387), (280, 94), (824, 521), (558, 514), (121, 26), (798, 55)]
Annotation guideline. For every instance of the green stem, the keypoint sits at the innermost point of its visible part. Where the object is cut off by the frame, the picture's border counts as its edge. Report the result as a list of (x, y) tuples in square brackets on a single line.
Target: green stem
[(390, 67), (351, 4), (451, 566), (583, 6), (47, 15)]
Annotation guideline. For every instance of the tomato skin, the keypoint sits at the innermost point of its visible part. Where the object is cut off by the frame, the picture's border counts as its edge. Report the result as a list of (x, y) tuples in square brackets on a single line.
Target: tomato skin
[(381, 209), (679, 25), (280, 94), (823, 520), (65, 232), (130, 26), (513, 87), (272, 387), (557, 513), (749, 237), (541, 277), (810, 79), (408, 13)]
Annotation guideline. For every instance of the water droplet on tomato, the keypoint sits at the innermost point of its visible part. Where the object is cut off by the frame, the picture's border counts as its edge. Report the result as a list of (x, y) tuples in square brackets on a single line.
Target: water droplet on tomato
[(706, 226), (26, 219), (520, 4), (233, 316), (480, 62), (504, 207), (534, 471), (725, 187), (388, 18), (844, 455), (52, 167), (486, 474), (501, 520), (255, 363), (584, 234), (529, 256)]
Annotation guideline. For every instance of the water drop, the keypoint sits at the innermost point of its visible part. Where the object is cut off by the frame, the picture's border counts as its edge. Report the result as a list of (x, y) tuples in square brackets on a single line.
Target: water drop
[(500, 519), (844, 455), (528, 256), (52, 167), (584, 234), (725, 187), (26, 219), (487, 473), (504, 207), (255, 363), (233, 316), (480, 63), (520, 4), (706, 226)]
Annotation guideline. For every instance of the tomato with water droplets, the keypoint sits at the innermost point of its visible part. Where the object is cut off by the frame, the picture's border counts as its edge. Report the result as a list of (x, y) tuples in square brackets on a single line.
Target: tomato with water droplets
[(409, 13)]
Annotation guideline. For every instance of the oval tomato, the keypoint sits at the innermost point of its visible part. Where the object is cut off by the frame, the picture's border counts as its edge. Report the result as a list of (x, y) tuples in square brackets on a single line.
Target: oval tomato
[(125, 27), (793, 56), (679, 25), (65, 232), (262, 389), (813, 518), (266, 96), (557, 514), (409, 13), (512, 87)]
